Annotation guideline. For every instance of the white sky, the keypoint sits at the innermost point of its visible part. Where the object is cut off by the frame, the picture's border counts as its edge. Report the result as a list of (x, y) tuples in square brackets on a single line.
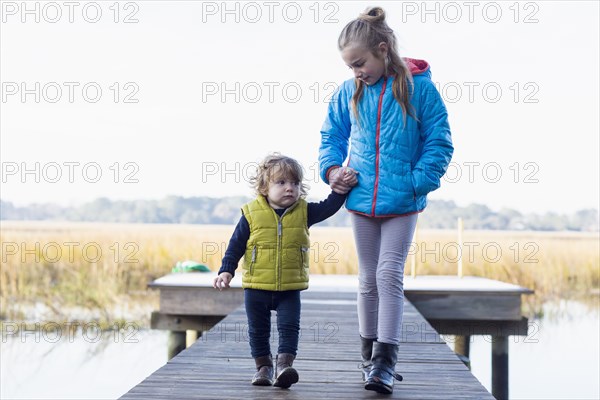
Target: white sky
[(180, 138)]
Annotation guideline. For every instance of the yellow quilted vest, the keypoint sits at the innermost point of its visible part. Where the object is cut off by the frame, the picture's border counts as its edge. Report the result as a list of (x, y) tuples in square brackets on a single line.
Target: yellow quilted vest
[(277, 253)]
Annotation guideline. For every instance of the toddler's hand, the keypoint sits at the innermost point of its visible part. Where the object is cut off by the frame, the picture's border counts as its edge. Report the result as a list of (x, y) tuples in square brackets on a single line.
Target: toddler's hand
[(222, 281), (350, 176), (336, 181)]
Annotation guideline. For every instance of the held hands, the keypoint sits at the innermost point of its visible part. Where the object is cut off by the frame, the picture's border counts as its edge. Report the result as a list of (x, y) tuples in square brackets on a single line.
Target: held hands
[(350, 176), (342, 179), (222, 281)]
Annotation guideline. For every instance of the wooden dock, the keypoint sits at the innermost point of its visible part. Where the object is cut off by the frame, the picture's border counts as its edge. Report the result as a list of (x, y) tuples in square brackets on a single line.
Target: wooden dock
[(218, 365)]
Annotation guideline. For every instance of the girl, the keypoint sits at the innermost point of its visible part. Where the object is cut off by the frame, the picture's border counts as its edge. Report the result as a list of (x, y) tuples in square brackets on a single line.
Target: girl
[(272, 235), (397, 125)]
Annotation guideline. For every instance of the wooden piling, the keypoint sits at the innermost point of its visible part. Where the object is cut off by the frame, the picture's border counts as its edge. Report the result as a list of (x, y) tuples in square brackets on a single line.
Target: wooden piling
[(175, 344), (462, 348), (500, 367)]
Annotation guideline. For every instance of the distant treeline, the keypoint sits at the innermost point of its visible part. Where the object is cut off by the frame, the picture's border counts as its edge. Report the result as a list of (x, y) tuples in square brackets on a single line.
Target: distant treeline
[(205, 210)]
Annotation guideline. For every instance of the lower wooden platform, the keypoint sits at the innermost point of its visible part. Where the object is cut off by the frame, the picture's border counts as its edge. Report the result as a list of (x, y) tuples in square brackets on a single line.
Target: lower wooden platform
[(219, 366)]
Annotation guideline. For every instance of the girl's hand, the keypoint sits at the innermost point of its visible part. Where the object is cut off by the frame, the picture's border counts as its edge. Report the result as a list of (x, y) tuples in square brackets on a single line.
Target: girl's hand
[(336, 181), (222, 281)]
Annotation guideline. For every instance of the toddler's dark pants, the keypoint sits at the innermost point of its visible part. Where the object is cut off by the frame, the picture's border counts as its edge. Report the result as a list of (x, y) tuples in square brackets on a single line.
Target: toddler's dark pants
[(259, 304)]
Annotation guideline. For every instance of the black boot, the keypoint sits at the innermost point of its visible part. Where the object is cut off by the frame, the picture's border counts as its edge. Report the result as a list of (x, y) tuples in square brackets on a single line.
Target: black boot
[(264, 371), (286, 375), (382, 375), (366, 351)]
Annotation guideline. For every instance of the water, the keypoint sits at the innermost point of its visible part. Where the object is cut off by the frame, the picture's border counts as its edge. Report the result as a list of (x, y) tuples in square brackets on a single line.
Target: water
[(558, 360), (80, 366)]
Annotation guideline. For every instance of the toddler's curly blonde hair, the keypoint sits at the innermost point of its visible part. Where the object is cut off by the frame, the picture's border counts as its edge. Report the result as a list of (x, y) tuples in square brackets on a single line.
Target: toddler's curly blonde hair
[(275, 167)]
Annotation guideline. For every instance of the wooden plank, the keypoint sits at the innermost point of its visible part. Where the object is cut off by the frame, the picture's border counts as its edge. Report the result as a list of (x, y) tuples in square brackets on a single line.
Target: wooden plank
[(489, 327), (199, 301), (219, 365), (466, 284), (349, 283), (180, 323), (465, 306), (436, 297)]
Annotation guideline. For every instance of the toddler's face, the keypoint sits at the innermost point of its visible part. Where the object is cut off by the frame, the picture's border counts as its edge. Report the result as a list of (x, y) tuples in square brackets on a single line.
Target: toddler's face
[(365, 65), (283, 193)]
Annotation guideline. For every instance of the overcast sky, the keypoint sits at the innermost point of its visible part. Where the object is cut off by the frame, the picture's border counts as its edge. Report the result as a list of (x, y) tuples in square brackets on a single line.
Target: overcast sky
[(144, 99)]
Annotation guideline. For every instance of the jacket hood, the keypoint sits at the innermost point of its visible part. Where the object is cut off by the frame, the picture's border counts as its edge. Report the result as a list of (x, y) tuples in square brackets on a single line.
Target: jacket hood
[(416, 66)]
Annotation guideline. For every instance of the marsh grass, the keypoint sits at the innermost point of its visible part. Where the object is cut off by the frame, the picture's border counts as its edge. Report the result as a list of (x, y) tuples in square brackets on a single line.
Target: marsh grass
[(101, 271)]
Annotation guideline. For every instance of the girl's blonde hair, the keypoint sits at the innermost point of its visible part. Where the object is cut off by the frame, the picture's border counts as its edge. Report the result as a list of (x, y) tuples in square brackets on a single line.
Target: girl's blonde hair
[(368, 31), (274, 167)]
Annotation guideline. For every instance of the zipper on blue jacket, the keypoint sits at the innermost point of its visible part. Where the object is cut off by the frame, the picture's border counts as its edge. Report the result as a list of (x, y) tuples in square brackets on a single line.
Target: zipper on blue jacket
[(377, 133)]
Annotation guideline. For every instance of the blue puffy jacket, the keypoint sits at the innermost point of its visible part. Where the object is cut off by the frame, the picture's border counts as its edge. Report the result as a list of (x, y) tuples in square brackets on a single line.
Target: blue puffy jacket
[(398, 163)]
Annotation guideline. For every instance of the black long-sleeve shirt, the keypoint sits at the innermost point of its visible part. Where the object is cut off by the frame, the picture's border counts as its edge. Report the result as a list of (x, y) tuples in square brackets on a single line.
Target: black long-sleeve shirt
[(316, 212)]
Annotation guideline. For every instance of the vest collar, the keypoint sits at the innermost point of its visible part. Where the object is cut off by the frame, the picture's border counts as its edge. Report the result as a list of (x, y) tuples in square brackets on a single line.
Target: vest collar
[(262, 200)]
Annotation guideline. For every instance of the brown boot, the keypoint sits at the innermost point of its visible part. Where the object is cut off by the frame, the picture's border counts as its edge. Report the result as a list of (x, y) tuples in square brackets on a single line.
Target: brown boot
[(286, 375), (264, 371)]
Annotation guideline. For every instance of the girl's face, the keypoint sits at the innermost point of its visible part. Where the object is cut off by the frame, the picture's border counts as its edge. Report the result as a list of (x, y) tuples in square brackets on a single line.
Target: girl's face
[(283, 192), (366, 66)]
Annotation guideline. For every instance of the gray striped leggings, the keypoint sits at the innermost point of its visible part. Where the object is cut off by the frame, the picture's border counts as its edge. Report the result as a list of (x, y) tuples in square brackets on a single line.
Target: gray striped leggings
[(382, 245)]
